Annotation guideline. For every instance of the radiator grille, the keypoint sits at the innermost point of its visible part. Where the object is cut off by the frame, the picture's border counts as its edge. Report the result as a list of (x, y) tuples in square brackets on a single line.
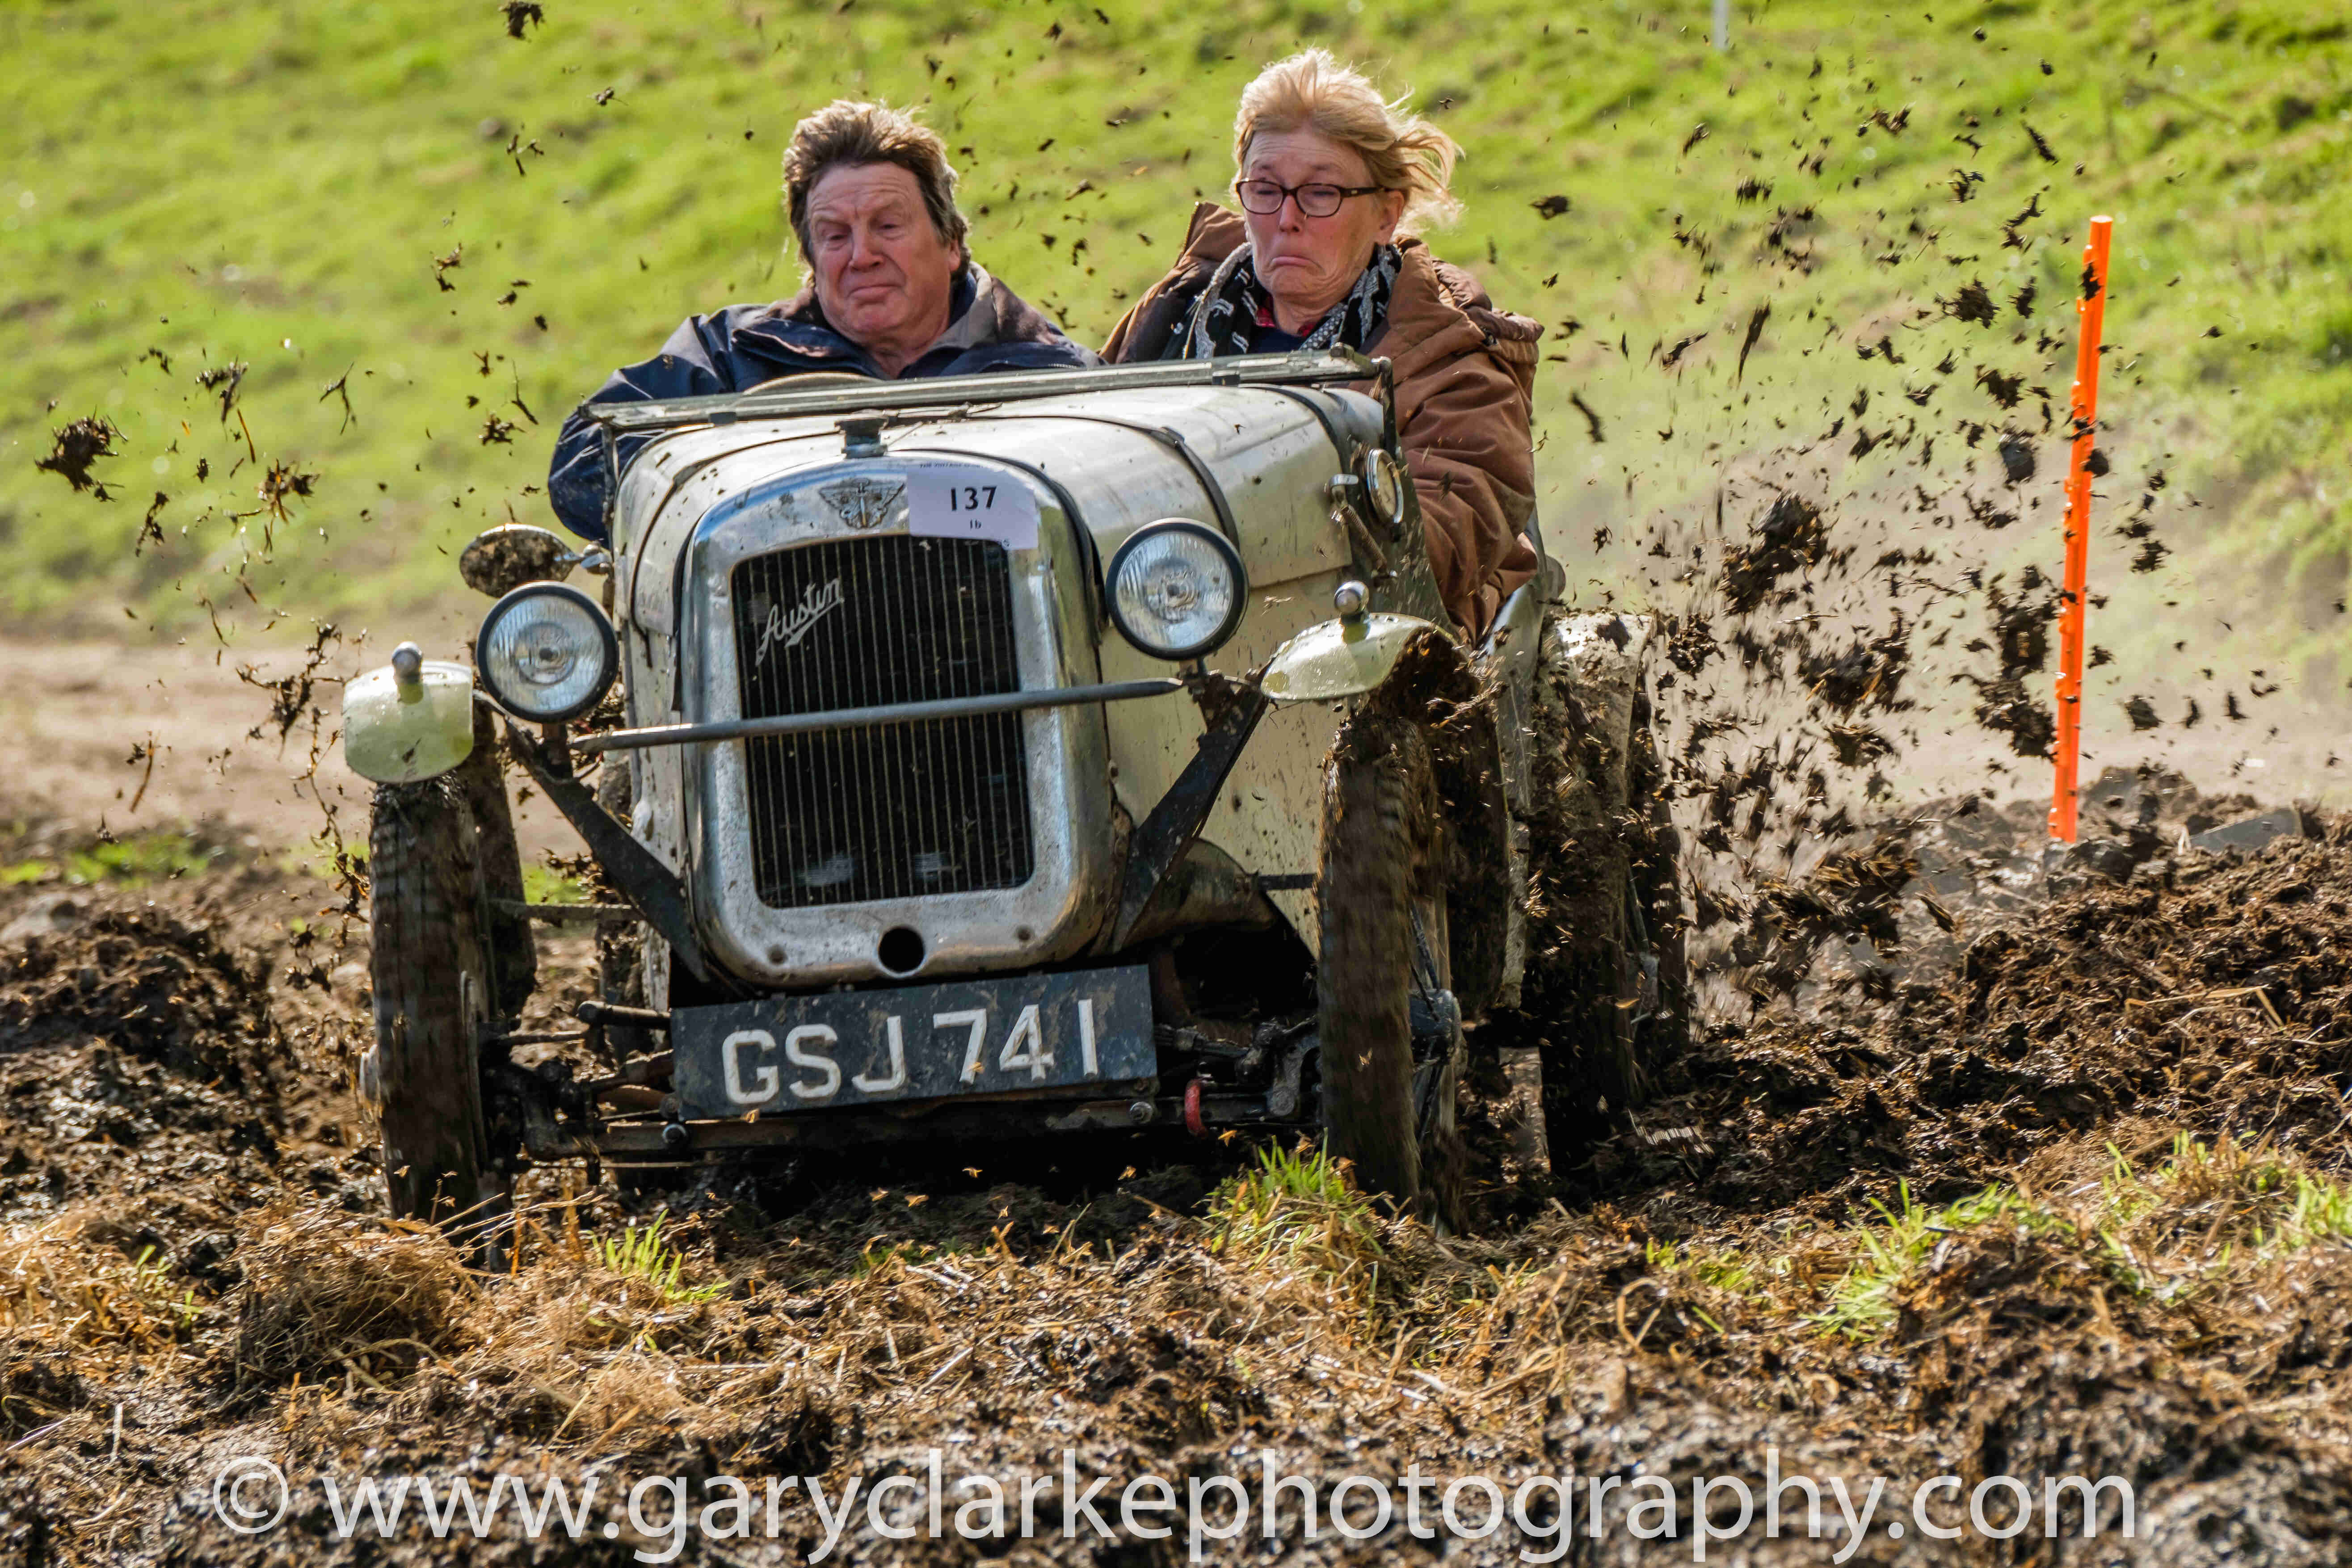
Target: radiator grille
[(892, 811)]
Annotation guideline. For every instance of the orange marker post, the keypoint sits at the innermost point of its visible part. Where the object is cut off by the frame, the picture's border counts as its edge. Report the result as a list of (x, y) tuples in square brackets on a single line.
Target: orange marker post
[(2085, 409)]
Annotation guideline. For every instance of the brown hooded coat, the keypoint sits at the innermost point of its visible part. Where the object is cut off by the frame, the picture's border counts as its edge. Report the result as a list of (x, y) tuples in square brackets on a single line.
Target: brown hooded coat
[(1465, 381)]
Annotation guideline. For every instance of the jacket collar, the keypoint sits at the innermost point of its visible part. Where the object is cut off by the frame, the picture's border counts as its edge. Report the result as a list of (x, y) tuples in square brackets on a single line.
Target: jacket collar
[(1435, 310), (797, 329), (1214, 234)]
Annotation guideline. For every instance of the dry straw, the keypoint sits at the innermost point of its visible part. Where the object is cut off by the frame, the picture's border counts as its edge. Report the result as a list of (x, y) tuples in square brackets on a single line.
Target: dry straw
[(327, 1291)]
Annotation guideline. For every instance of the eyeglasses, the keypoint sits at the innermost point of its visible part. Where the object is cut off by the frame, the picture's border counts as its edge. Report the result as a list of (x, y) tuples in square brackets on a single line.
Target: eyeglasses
[(1264, 197)]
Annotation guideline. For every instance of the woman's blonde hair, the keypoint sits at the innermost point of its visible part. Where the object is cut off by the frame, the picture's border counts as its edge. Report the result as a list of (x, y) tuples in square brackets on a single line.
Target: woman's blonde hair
[(1312, 91)]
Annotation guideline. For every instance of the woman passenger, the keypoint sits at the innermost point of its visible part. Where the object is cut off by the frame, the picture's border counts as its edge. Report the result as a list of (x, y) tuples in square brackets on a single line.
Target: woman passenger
[(1332, 181)]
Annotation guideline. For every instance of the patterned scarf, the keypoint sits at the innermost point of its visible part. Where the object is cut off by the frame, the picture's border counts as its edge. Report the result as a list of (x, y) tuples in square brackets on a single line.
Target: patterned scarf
[(1226, 316)]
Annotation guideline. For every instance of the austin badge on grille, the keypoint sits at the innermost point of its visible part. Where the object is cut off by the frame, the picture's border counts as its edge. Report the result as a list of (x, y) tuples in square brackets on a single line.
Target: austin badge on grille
[(863, 504), (781, 626)]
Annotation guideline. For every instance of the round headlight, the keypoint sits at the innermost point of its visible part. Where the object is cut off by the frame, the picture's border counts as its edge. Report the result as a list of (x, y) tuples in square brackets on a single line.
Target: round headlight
[(1176, 588), (546, 653)]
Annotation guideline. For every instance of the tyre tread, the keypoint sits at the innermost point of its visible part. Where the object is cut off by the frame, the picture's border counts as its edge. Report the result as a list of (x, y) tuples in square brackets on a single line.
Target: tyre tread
[(425, 938)]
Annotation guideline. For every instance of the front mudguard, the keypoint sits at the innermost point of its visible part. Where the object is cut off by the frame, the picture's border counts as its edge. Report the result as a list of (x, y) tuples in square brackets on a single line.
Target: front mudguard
[(1348, 656), (397, 732)]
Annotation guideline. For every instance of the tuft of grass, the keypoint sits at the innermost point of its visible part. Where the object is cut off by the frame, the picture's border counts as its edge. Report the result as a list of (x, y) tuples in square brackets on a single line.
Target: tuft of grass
[(1716, 1268), (327, 1290), (879, 1255), (151, 1278), (640, 1252), (2216, 1199), (64, 1285), (2199, 1222), (2323, 1211), (1294, 1205), (1862, 1304)]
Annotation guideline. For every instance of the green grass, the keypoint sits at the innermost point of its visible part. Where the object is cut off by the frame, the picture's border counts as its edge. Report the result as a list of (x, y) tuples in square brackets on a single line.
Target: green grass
[(156, 857), (2232, 1195), (640, 1252), (1862, 1303), (880, 1253), (545, 885), (1717, 1268), (2196, 1223), (270, 185), (152, 1282), (1294, 1204)]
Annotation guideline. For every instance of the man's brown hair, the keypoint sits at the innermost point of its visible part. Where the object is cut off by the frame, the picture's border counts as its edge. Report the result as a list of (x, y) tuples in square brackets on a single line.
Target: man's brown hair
[(846, 132)]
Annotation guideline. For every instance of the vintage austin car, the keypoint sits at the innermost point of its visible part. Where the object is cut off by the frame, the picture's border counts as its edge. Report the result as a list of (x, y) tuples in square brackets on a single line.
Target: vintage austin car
[(1010, 755)]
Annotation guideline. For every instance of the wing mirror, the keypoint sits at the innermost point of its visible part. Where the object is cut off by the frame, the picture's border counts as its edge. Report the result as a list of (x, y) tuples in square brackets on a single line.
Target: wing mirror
[(505, 558)]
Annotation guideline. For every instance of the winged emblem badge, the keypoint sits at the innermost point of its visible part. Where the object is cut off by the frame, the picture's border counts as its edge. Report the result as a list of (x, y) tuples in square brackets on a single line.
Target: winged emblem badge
[(862, 504)]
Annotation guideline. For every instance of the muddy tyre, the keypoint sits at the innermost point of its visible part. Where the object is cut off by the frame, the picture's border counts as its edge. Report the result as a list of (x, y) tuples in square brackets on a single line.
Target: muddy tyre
[(1382, 902), (620, 949), (513, 951), (1657, 871), (1604, 998), (433, 991)]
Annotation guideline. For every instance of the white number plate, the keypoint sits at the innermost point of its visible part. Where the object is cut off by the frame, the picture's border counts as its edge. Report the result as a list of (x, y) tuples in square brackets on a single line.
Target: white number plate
[(965, 501)]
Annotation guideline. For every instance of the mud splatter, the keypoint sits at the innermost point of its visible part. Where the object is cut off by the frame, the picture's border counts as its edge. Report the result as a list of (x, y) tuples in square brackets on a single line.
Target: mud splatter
[(75, 448), (282, 483), (1791, 537), (223, 381)]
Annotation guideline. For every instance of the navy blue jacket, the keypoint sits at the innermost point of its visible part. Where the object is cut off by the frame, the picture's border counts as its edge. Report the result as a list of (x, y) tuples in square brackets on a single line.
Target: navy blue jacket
[(991, 329)]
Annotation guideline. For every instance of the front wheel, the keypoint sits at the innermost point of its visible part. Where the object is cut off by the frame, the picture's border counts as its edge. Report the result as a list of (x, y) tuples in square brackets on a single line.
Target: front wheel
[(422, 1076), (1383, 945)]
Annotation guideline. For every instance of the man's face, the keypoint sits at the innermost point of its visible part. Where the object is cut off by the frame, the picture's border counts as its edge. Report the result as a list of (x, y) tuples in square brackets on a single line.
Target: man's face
[(883, 273)]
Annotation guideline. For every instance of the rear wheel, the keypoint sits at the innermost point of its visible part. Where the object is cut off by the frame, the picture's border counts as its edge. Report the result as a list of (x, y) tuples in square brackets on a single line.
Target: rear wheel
[(1656, 872), (1605, 996), (1389, 1106), (434, 997)]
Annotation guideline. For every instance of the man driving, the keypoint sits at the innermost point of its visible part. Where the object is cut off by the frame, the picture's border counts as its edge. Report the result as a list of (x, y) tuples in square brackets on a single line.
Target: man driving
[(893, 293)]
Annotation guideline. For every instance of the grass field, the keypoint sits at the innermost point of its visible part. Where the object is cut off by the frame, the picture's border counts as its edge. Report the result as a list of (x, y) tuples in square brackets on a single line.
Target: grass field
[(189, 186)]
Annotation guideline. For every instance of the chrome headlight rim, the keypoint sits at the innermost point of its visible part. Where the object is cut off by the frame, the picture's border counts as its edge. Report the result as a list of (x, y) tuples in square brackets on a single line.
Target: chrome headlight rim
[(502, 691), (1385, 485), (1229, 557)]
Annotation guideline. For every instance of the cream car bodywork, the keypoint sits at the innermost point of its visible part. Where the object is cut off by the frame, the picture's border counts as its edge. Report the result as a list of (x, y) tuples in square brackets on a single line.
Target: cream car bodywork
[(1119, 459)]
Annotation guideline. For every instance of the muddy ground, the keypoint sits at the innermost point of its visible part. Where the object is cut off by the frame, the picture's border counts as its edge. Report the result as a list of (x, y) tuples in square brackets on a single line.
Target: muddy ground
[(1786, 1258)]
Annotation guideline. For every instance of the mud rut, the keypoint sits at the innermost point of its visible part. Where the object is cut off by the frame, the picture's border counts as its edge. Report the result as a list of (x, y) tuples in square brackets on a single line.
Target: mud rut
[(189, 1196)]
